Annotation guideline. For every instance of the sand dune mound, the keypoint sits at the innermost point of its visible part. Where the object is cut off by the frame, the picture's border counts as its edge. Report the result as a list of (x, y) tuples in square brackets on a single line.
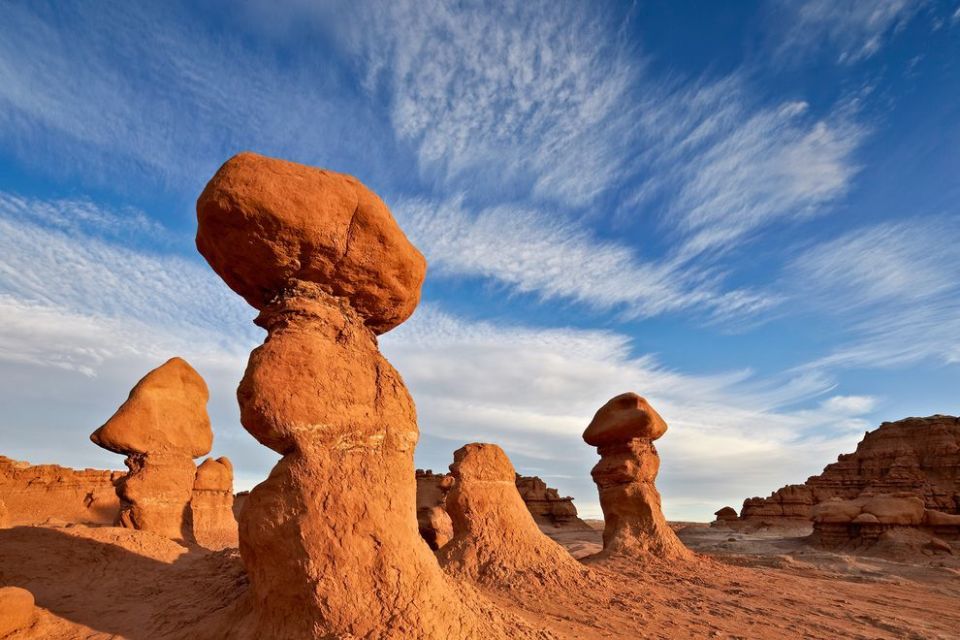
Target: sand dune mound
[(495, 538)]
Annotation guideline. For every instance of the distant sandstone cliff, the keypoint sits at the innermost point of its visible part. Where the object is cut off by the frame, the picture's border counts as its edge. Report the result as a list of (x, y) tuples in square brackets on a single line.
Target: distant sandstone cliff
[(38, 494), (919, 456)]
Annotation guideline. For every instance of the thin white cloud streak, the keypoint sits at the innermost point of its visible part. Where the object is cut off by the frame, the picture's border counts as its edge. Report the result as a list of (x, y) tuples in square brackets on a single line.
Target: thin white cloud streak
[(896, 287), (850, 30), (48, 256), (532, 252), (728, 168), (115, 90), (533, 91), (534, 390)]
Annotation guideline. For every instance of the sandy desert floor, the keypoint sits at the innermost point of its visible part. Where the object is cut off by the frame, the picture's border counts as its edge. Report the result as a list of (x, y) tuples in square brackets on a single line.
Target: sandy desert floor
[(117, 583)]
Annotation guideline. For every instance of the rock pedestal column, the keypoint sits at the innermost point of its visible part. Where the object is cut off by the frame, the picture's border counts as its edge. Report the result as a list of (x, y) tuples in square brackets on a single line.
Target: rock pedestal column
[(161, 428), (495, 539), (330, 539), (214, 525), (623, 430)]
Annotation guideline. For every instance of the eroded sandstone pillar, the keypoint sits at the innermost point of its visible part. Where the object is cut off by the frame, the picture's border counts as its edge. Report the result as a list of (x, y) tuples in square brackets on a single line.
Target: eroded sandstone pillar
[(623, 430), (161, 428), (495, 539), (330, 539), (214, 525)]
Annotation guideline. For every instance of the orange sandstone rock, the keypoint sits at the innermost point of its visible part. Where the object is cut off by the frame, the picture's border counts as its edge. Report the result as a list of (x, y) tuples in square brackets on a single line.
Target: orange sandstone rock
[(330, 539), (495, 539), (266, 223), (46, 493), (161, 427), (214, 525), (16, 610), (916, 455), (623, 430), (432, 518), (165, 413)]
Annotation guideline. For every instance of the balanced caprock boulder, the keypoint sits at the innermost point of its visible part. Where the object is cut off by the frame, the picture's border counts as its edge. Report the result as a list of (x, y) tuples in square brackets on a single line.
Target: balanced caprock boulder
[(330, 540)]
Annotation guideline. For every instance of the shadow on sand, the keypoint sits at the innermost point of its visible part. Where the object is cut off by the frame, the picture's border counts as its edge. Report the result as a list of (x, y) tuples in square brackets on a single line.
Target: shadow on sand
[(109, 588)]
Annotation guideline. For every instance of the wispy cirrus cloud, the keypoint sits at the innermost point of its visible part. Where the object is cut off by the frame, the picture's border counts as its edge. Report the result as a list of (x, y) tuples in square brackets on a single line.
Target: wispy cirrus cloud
[(725, 166), (557, 259), (534, 93), (851, 30), (895, 285)]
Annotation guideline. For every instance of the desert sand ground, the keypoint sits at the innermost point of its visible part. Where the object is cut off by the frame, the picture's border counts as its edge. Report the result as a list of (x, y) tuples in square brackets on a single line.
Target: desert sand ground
[(108, 582)]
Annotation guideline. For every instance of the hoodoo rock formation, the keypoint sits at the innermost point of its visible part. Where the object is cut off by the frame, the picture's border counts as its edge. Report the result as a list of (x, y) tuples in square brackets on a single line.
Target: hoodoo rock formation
[(330, 539), (432, 517), (862, 521), (16, 610), (546, 505), (214, 525), (724, 516), (623, 430), (47, 493), (161, 428), (495, 539), (920, 456)]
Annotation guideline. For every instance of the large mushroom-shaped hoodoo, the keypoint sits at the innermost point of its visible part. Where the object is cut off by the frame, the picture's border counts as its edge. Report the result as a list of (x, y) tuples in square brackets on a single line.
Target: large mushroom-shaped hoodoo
[(161, 428), (330, 539), (496, 541), (623, 430)]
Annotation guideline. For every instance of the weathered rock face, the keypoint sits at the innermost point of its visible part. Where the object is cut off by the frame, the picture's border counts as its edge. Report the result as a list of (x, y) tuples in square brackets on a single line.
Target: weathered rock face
[(724, 516), (861, 521), (623, 430), (214, 525), (16, 610), (545, 504), (161, 427), (432, 518), (35, 495), (915, 455), (330, 539), (495, 539)]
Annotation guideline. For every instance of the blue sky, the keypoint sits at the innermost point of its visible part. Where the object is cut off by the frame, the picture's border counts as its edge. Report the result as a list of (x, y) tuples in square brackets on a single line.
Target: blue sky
[(746, 212)]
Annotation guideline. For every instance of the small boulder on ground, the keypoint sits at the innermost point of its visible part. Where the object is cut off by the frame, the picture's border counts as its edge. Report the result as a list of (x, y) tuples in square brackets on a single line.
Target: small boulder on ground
[(16, 610)]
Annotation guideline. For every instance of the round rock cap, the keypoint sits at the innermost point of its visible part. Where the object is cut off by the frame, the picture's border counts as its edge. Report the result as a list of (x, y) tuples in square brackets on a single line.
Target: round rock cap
[(165, 413), (263, 222), (622, 419), (483, 462)]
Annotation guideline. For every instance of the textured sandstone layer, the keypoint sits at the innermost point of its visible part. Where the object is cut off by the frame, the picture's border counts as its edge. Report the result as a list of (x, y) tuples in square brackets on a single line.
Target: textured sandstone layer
[(16, 610), (330, 540), (432, 517), (861, 521), (161, 427), (211, 505), (33, 495), (724, 516), (495, 539), (915, 455), (546, 505), (623, 430)]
